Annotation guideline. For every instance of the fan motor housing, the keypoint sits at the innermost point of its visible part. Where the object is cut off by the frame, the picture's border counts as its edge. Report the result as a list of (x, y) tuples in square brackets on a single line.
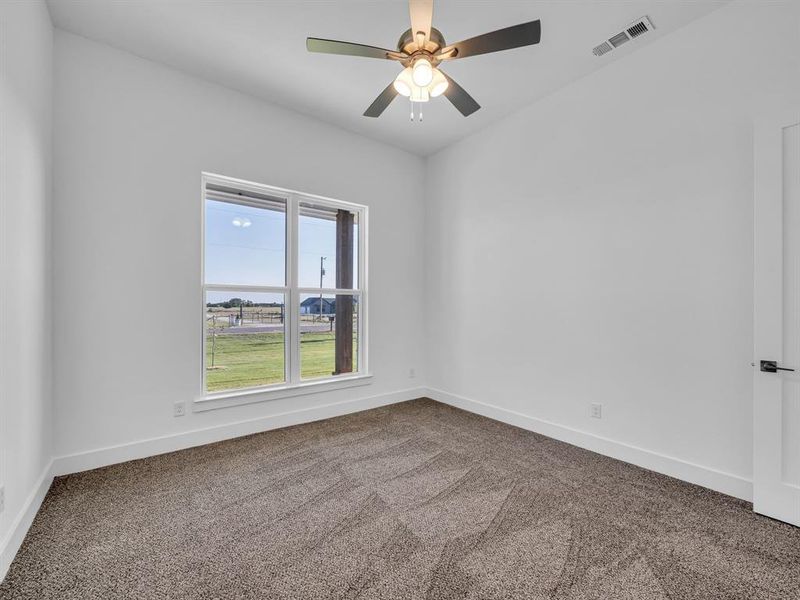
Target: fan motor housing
[(408, 43)]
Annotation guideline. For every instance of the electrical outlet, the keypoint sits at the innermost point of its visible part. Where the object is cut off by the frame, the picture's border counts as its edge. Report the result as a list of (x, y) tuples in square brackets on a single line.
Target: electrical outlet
[(2, 498), (596, 411), (412, 373), (180, 409)]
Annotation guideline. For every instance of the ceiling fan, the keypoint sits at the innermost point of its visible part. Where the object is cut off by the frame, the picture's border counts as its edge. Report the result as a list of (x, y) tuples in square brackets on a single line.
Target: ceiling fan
[(421, 49)]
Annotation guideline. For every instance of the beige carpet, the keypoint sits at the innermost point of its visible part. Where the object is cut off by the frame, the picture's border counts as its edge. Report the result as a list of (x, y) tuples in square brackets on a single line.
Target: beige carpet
[(415, 500)]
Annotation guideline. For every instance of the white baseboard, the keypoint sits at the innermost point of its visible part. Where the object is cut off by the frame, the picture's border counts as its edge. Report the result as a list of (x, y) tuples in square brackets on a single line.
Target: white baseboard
[(719, 481), (22, 522), (93, 459)]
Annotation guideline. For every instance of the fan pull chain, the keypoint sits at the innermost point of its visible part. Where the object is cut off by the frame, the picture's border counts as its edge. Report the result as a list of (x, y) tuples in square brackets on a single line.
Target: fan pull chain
[(416, 112)]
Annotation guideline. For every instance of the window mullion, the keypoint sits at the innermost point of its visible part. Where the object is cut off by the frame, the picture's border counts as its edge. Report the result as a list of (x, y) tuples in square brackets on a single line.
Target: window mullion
[(330, 291), (266, 289), (293, 301)]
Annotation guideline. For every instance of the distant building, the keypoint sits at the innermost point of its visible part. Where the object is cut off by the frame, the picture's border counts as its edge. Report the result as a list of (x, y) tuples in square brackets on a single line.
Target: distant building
[(310, 306)]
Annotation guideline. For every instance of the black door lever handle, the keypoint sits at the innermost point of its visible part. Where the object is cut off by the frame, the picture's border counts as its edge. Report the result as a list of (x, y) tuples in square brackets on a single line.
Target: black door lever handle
[(771, 366)]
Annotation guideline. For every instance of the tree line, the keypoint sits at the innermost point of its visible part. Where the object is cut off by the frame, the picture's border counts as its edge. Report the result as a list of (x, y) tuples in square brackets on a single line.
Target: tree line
[(238, 302)]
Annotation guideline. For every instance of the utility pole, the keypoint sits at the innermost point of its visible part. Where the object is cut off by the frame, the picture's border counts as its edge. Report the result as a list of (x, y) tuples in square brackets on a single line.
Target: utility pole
[(322, 259)]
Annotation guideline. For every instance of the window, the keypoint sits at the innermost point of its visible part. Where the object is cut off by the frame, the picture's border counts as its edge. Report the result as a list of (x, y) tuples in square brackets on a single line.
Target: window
[(284, 294)]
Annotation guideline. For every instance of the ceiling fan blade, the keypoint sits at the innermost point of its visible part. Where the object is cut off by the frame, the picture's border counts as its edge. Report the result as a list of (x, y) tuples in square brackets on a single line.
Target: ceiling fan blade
[(350, 49), (459, 97), (381, 102), (421, 17), (524, 34)]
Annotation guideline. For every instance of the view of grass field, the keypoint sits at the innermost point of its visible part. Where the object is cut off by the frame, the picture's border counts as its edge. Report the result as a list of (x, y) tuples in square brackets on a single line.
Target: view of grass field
[(242, 361), (237, 359)]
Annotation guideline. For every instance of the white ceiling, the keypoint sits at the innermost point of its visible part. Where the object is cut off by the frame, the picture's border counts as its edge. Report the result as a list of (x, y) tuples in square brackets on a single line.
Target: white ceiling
[(259, 48)]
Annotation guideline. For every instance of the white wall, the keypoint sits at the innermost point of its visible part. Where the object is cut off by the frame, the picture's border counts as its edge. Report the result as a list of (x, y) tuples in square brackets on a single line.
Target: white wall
[(131, 139), (26, 43), (600, 243)]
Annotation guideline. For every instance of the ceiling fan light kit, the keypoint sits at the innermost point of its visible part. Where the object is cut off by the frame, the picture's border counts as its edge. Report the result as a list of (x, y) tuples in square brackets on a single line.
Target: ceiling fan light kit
[(421, 50), (419, 83)]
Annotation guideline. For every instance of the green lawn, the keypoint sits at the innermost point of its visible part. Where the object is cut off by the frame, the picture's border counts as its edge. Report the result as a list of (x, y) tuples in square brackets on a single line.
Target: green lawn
[(248, 360)]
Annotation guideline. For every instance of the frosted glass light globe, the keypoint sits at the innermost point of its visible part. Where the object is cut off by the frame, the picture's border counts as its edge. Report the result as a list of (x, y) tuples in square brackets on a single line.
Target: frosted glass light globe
[(438, 84), (423, 72), (404, 83)]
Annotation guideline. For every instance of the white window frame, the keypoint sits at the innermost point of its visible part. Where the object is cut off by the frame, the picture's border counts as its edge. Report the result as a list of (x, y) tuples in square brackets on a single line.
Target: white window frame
[(294, 385)]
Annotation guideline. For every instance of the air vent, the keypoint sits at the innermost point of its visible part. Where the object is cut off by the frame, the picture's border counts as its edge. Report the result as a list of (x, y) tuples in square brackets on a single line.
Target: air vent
[(637, 29), (632, 31), (619, 39), (602, 49)]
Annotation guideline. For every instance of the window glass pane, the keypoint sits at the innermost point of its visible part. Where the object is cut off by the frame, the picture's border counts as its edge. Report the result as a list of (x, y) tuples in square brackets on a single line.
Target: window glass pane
[(328, 342), (245, 244), (244, 343), (328, 247)]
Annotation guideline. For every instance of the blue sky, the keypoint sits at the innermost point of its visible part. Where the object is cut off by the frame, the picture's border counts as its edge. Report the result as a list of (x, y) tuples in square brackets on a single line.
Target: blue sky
[(246, 246)]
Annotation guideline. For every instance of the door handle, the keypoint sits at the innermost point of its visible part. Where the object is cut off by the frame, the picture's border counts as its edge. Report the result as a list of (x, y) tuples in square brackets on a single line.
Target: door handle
[(771, 366)]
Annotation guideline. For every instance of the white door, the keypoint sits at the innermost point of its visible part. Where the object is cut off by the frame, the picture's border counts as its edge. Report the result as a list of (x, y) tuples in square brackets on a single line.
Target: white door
[(776, 410)]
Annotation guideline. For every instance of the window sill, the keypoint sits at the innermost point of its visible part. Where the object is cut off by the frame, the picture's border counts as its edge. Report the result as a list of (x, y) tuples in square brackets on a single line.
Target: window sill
[(264, 394)]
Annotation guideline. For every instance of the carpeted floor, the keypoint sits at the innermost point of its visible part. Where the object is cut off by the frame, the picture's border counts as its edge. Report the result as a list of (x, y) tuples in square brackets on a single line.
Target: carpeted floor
[(415, 500)]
